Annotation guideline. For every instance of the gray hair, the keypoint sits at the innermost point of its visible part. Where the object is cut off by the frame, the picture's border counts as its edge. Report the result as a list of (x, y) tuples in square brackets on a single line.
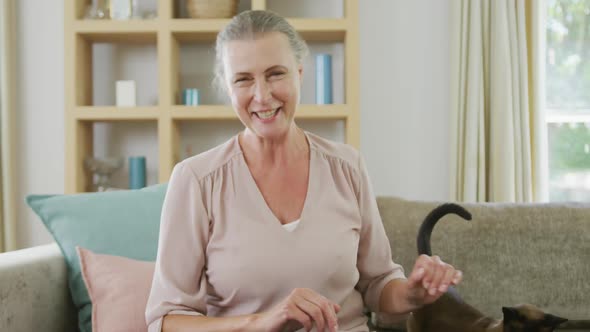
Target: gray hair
[(249, 25)]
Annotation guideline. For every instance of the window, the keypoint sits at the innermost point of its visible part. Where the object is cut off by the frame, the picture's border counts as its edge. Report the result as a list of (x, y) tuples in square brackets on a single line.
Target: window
[(568, 99)]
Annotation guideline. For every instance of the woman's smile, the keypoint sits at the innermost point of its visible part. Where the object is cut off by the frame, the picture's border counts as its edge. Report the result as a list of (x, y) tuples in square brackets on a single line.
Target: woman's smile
[(268, 115)]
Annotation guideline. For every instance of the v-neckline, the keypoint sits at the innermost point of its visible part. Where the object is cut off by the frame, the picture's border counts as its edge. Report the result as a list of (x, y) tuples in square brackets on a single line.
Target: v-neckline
[(254, 186)]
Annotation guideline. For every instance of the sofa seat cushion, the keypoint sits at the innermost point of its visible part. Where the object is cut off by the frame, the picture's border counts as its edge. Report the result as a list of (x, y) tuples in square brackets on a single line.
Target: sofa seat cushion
[(509, 253)]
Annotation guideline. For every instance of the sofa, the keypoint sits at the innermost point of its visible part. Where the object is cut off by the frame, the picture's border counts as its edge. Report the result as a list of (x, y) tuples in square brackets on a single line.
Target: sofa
[(509, 253)]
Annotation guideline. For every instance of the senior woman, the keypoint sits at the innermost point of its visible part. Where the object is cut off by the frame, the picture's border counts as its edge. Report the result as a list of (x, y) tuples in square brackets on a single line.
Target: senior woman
[(277, 229)]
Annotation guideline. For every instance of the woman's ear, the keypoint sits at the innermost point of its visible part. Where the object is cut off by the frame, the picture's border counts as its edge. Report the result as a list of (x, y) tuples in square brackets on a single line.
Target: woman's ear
[(300, 70), (226, 86), (227, 90)]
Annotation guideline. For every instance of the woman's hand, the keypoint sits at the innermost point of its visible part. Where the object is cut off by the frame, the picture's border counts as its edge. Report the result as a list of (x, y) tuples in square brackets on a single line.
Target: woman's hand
[(430, 279), (302, 308)]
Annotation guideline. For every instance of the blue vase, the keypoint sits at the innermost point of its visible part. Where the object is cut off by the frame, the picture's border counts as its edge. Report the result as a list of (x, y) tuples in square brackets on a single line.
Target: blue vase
[(323, 79), (191, 97), (137, 173)]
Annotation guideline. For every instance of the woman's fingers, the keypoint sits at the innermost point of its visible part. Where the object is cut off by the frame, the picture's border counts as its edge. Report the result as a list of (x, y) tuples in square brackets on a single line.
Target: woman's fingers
[(296, 314), (457, 278), (336, 308), (312, 311), (320, 309), (331, 318), (416, 277), (447, 279), (327, 309), (433, 275), (425, 262), (302, 308), (438, 273)]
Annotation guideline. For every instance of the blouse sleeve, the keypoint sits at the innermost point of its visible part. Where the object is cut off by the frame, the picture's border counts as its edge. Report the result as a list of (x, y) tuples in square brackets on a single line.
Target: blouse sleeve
[(374, 261), (179, 282)]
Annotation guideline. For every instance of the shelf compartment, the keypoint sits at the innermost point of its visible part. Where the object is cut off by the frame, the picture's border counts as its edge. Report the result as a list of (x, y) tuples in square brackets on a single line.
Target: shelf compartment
[(332, 129), (111, 62), (308, 87), (195, 74), (111, 113), (126, 139), (180, 11), (307, 8), (199, 136)]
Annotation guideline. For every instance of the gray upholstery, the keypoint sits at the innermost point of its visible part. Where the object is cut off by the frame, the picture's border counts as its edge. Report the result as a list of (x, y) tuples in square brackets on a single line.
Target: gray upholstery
[(34, 293), (510, 253)]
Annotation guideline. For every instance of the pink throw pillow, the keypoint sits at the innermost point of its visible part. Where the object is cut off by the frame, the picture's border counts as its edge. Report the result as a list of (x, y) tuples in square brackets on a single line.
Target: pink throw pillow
[(119, 288)]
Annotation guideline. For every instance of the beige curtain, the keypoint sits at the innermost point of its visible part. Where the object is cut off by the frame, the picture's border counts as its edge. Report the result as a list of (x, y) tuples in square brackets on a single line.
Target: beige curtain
[(498, 135), (7, 110)]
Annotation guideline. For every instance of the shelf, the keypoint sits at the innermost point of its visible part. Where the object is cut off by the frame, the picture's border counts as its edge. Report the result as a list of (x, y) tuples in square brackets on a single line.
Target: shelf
[(323, 112), (190, 30), (196, 30), (113, 113), (203, 112), (329, 29), (90, 67), (225, 112), (133, 31)]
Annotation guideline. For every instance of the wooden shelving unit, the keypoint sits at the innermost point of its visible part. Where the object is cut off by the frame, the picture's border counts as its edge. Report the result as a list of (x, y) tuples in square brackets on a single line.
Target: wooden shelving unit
[(167, 33)]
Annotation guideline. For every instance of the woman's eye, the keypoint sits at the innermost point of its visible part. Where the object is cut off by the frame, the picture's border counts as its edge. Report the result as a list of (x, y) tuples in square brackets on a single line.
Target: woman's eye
[(276, 74), (241, 79)]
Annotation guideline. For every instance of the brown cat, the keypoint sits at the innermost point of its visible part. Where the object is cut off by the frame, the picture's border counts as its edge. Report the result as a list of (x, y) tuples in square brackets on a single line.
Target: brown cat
[(451, 314)]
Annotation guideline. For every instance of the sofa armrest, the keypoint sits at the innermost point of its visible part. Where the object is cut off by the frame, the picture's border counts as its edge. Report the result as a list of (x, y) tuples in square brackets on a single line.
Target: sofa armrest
[(34, 293)]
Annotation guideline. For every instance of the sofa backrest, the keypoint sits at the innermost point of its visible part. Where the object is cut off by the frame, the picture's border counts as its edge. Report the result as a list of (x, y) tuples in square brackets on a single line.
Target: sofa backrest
[(509, 253)]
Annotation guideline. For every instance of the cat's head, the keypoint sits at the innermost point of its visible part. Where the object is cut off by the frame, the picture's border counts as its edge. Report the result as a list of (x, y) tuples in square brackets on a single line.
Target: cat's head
[(528, 318)]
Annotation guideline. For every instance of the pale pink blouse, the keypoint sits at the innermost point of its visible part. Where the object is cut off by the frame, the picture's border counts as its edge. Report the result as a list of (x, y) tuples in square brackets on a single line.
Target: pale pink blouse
[(222, 252)]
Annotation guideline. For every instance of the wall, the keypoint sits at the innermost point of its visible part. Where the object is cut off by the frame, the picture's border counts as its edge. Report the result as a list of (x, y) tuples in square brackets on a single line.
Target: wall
[(405, 79), (404, 103), (40, 110)]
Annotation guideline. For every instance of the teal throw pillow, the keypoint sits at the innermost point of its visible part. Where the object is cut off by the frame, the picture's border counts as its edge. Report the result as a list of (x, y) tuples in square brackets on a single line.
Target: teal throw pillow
[(123, 223)]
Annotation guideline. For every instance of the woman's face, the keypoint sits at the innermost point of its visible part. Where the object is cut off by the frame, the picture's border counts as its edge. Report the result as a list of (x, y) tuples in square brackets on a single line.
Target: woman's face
[(263, 80)]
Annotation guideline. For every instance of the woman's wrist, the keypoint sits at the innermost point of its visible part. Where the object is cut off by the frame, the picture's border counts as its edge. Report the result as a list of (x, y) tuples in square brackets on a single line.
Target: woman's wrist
[(253, 323), (244, 323), (397, 298)]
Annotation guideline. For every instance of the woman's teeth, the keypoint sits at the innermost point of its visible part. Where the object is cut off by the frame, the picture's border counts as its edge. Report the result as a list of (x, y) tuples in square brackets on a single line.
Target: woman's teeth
[(267, 114)]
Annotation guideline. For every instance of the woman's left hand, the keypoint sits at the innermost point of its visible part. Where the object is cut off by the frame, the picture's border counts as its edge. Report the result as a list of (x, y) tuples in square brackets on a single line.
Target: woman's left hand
[(430, 279)]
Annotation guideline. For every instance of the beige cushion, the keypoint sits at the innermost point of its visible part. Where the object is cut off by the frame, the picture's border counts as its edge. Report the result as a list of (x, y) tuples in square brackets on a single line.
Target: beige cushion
[(510, 254)]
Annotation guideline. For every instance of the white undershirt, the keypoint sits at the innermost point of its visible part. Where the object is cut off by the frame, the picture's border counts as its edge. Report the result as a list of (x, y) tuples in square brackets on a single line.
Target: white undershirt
[(292, 225)]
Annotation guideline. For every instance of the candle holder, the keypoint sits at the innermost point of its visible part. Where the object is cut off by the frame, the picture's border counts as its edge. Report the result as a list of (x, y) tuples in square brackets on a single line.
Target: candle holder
[(103, 168)]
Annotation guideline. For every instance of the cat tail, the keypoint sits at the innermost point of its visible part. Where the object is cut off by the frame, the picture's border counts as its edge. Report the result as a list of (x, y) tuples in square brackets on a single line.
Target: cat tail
[(431, 219)]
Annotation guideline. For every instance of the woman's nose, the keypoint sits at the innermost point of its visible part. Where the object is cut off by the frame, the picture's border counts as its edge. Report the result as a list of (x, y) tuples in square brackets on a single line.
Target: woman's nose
[(262, 91)]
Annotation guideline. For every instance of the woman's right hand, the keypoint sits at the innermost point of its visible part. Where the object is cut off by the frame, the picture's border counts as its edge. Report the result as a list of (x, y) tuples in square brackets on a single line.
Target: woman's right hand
[(302, 308)]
